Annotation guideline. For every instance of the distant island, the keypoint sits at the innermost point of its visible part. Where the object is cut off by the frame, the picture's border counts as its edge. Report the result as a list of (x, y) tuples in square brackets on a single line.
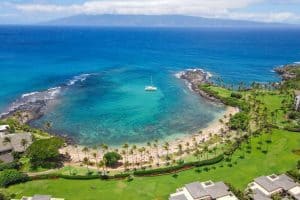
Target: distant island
[(109, 20)]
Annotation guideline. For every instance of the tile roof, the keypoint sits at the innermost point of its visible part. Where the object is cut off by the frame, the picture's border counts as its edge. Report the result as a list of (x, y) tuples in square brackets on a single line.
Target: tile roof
[(280, 182), (215, 190)]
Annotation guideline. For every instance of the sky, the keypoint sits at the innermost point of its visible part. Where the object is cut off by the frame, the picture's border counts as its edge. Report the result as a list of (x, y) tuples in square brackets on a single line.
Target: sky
[(36, 11)]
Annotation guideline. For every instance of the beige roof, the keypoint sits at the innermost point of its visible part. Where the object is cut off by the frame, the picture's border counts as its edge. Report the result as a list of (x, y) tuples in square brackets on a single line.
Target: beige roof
[(4, 127), (15, 142)]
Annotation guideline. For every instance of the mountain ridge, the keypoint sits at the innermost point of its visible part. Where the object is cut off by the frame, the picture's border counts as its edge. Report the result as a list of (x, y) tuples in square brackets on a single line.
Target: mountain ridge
[(110, 20)]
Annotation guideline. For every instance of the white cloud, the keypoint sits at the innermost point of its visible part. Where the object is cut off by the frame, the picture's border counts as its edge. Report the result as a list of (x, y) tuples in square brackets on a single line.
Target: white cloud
[(188, 7), (205, 8), (267, 17)]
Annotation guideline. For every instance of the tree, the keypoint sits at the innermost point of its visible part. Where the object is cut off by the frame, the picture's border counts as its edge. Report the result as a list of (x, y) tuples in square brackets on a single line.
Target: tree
[(179, 149), (6, 140), (166, 147), (47, 125), (45, 153), (86, 161), (102, 165), (111, 158), (96, 160), (126, 146)]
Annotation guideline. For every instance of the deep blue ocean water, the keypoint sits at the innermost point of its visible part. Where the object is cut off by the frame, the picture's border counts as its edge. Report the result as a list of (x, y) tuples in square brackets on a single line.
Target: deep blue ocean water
[(110, 105)]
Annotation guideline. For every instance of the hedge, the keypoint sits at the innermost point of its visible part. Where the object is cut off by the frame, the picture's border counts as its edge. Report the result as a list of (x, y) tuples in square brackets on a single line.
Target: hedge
[(11, 165), (11, 176), (79, 177), (177, 168), (294, 174)]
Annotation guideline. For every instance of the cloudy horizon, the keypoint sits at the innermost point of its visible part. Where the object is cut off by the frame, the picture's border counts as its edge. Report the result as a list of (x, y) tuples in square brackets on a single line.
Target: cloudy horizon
[(34, 11)]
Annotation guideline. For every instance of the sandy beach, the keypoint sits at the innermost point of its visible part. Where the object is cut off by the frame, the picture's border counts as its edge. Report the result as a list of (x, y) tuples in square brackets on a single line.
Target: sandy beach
[(216, 127)]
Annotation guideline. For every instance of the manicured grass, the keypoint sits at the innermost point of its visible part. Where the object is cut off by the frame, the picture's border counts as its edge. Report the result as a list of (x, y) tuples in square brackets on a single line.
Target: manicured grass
[(278, 160), (223, 92), (273, 103)]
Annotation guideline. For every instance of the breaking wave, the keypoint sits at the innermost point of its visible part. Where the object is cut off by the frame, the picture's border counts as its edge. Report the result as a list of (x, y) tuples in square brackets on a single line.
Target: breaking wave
[(39, 99)]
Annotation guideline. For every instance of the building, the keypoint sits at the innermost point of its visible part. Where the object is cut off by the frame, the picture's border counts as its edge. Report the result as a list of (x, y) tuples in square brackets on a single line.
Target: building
[(13, 143), (264, 187), (297, 100), (4, 129), (40, 197), (204, 191)]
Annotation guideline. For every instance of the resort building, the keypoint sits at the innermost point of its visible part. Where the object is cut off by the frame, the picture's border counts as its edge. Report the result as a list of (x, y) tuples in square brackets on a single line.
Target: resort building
[(4, 129), (17, 142), (41, 197), (297, 100), (204, 191), (265, 186)]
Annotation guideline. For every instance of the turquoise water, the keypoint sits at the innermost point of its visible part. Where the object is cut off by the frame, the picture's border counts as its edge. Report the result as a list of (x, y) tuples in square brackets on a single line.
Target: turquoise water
[(110, 105)]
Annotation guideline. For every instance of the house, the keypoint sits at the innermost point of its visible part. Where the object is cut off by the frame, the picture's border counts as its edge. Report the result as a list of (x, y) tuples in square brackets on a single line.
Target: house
[(4, 129), (204, 191), (41, 197), (264, 187), (13, 143), (297, 100)]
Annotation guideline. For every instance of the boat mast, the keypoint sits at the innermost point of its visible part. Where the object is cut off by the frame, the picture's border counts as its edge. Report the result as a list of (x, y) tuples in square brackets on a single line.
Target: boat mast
[(151, 81)]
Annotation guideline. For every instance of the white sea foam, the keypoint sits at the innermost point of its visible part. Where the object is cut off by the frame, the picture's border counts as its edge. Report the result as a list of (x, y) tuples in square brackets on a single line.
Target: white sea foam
[(208, 75), (298, 62), (76, 79)]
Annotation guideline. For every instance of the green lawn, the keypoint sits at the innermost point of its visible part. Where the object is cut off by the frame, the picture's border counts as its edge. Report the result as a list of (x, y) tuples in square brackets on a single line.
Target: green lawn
[(279, 159), (273, 103)]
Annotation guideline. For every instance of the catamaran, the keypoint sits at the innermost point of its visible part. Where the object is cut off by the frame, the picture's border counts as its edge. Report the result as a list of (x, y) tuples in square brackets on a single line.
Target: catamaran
[(151, 87)]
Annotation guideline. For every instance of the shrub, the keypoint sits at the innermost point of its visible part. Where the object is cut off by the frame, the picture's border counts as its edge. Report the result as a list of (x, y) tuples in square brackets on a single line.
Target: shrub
[(12, 165), (293, 115), (112, 158), (236, 95), (177, 168), (11, 176)]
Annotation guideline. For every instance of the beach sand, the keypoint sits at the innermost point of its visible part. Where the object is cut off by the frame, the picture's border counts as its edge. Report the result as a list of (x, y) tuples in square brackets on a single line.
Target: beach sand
[(216, 127)]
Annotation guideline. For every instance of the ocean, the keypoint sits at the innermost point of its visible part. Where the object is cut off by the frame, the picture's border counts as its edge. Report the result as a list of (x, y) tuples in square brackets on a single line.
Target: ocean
[(97, 75)]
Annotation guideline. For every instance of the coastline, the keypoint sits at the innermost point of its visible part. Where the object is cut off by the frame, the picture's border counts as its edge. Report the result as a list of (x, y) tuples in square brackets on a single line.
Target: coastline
[(217, 127), (26, 111)]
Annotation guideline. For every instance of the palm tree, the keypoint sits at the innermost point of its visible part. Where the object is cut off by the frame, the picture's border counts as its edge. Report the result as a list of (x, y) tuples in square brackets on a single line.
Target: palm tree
[(123, 153), (24, 143), (126, 146), (166, 147), (134, 152), (187, 144), (47, 125), (141, 150), (102, 164), (6, 140), (195, 143), (85, 150), (76, 147), (86, 162), (131, 153), (205, 149), (96, 160), (104, 148), (179, 149)]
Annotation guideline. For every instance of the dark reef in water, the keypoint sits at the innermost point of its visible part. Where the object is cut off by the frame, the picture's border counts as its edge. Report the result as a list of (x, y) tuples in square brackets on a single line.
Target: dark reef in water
[(32, 106)]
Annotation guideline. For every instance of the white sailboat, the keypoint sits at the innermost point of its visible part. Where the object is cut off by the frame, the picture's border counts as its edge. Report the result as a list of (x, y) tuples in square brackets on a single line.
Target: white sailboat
[(150, 88)]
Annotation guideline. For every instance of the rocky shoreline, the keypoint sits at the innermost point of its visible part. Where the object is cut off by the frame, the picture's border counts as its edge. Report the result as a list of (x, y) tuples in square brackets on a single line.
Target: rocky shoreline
[(287, 71), (195, 78)]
